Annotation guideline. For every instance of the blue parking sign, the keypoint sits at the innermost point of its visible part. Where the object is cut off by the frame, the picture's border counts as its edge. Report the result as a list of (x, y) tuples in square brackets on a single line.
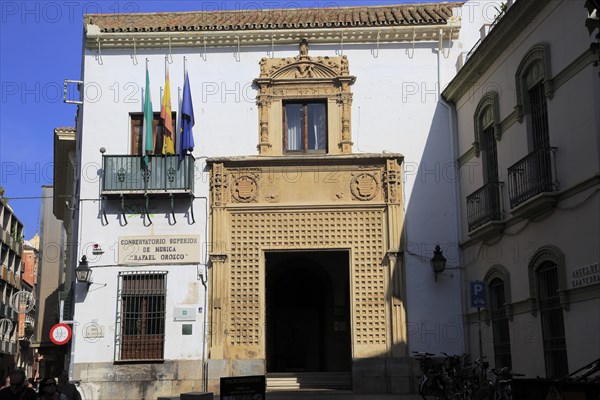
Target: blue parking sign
[(478, 294)]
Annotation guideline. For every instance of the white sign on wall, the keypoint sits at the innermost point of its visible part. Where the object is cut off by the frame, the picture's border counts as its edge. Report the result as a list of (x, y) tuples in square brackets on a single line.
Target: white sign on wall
[(585, 276), (170, 249)]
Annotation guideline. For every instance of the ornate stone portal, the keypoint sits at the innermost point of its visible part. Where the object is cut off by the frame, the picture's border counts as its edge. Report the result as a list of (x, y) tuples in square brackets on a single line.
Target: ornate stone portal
[(337, 201)]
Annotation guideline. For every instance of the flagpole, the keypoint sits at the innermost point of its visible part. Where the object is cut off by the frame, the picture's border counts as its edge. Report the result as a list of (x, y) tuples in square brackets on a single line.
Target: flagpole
[(181, 106), (145, 122), (161, 101), (178, 128)]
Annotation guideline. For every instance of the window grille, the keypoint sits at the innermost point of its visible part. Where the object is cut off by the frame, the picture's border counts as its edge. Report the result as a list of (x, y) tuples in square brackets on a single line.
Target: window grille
[(541, 137), (485, 204), (490, 155), (140, 327), (539, 116), (500, 327), (551, 314)]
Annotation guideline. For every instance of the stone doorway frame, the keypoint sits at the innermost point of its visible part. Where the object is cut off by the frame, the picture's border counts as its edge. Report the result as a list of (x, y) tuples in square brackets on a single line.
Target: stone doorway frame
[(329, 202), (323, 264)]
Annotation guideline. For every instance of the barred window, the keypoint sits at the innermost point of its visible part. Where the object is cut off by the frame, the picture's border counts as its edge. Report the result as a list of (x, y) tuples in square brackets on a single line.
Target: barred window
[(141, 316), (500, 326), (553, 326), (490, 155), (539, 116), (533, 91)]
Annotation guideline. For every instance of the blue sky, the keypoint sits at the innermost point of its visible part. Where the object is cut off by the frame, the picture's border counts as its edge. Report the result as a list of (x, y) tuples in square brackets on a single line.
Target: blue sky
[(40, 47)]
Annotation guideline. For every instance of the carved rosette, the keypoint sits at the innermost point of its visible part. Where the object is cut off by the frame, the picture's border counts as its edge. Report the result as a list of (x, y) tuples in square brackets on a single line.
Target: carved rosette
[(364, 186), (391, 182), (244, 188)]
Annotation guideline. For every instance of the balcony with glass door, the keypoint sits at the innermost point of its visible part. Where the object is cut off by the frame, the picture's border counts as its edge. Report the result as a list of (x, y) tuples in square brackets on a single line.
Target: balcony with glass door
[(531, 176), (123, 175), (484, 206)]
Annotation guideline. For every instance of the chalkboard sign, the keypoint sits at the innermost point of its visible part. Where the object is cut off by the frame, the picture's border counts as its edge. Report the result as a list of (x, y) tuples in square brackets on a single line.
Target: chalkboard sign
[(243, 388)]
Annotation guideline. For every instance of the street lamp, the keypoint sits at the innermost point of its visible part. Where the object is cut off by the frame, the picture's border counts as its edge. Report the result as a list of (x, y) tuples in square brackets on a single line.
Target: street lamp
[(438, 262), (83, 272)]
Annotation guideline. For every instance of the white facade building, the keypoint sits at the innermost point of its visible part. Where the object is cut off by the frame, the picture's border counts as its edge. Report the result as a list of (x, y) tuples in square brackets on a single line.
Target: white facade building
[(527, 104), (178, 300)]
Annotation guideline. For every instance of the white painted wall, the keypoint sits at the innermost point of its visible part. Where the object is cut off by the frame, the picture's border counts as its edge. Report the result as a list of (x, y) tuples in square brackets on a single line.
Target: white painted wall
[(395, 109), (98, 309)]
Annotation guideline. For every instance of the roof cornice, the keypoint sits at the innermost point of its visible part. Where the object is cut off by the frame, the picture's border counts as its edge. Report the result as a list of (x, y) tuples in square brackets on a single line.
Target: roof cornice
[(329, 159), (95, 39), (508, 28)]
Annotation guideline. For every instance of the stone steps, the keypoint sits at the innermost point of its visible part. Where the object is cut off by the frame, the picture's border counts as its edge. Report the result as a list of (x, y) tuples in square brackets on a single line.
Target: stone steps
[(190, 396), (309, 380)]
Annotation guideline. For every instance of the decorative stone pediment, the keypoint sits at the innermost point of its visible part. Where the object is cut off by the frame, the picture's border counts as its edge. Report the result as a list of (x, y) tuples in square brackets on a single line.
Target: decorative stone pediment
[(304, 77), (303, 66)]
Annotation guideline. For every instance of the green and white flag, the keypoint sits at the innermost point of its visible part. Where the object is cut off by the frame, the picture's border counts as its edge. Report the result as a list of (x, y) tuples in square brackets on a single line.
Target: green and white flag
[(148, 142)]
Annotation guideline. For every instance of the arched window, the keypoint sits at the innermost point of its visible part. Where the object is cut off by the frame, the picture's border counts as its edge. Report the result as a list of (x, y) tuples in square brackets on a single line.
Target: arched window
[(498, 282), (534, 173), (486, 120), (534, 87), (547, 271), (485, 204)]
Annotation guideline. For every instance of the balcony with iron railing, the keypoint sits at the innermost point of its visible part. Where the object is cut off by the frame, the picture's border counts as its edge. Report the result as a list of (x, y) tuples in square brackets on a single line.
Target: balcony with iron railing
[(157, 176), (123, 175), (485, 205), (532, 175)]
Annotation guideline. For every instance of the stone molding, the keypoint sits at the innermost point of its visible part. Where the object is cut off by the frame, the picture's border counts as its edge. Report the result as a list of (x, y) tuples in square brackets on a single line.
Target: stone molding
[(293, 210), (304, 77), (95, 39)]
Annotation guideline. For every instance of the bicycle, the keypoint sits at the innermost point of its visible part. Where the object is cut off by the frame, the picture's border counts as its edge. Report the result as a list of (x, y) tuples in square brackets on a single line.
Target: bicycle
[(498, 388), (457, 376), (433, 384)]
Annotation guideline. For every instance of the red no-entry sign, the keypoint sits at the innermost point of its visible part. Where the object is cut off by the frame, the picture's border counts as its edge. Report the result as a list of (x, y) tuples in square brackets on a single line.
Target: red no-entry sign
[(60, 334)]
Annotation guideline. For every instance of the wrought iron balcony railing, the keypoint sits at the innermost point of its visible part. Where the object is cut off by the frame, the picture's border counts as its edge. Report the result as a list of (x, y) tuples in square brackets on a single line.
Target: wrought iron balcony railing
[(485, 205), (162, 174), (532, 175)]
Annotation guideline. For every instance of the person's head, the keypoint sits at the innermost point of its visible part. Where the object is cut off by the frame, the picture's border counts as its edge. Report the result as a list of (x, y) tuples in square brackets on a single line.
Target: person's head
[(47, 386), (63, 377), (7, 381), (17, 380)]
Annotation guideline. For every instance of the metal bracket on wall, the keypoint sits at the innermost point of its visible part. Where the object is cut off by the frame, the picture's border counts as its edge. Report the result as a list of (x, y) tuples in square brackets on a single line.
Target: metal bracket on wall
[(123, 209), (147, 208), (192, 208), (103, 210), (171, 200)]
